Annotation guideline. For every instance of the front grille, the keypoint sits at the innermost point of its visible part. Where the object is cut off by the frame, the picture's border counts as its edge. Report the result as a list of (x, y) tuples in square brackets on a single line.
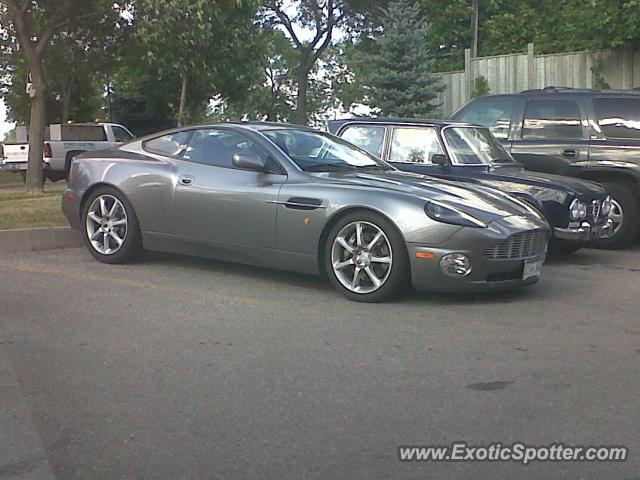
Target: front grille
[(594, 212), (531, 243)]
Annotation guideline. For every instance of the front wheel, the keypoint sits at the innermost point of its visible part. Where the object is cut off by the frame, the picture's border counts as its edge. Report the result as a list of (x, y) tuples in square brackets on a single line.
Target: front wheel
[(365, 258), (111, 230), (625, 214)]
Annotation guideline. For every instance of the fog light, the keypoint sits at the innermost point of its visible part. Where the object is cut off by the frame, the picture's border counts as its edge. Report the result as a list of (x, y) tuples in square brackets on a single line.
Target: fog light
[(456, 265)]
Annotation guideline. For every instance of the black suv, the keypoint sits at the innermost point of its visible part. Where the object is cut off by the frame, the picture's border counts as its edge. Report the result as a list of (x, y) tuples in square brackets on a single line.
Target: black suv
[(591, 134)]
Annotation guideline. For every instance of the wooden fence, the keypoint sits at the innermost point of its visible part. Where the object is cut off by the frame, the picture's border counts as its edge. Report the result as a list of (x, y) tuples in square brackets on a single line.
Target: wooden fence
[(620, 69)]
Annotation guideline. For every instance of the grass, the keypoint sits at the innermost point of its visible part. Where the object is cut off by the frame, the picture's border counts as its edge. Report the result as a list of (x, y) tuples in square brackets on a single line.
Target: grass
[(8, 178), (19, 209)]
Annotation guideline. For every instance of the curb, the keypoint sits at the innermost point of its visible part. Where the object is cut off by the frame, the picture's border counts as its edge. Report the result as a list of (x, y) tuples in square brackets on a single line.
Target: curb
[(36, 239)]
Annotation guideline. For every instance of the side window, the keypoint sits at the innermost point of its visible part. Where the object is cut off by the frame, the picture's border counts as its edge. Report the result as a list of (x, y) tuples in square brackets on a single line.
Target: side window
[(120, 134), (173, 144), (618, 117), (217, 147), (551, 119), (491, 112), (368, 137), (415, 145)]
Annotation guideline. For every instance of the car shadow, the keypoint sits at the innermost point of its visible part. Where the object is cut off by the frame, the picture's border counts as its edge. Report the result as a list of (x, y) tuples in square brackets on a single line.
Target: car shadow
[(316, 284)]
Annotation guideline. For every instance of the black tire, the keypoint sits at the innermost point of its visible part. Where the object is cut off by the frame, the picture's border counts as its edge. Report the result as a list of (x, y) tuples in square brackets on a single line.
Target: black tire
[(629, 203), (398, 281), (131, 248)]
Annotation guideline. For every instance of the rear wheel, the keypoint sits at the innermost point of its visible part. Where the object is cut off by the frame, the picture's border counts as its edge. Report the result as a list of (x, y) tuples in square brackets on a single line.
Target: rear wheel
[(111, 230), (365, 258), (625, 214)]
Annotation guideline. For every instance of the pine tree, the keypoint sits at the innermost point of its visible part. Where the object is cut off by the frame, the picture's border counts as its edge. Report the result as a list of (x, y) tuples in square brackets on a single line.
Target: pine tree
[(399, 82)]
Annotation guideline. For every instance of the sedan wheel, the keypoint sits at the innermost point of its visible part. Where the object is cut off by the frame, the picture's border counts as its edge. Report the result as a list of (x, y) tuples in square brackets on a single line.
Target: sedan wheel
[(366, 259), (106, 224), (616, 216), (361, 257), (112, 232)]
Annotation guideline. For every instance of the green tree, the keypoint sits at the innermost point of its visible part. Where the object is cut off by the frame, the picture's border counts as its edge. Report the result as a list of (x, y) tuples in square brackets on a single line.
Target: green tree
[(321, 19), (31, 27), (195, 42), (400, 82)]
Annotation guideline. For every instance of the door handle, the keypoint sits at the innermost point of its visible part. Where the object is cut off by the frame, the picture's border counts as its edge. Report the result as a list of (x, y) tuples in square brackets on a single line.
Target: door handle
[(569, 153), (186, 180)]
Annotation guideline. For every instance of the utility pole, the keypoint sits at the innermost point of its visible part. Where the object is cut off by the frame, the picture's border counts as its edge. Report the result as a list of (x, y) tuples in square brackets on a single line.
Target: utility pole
[(475, 7)]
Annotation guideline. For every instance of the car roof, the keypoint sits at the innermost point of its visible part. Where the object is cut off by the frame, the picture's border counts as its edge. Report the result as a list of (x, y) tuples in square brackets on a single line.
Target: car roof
[(570, 91), (398, 121)]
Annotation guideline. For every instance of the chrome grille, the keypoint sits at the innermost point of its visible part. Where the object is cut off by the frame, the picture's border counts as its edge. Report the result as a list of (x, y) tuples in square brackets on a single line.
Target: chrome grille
[(594, 212), (531, 243)]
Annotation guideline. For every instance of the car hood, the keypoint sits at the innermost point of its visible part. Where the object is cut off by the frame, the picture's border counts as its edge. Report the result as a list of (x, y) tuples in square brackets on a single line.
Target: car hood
[(484, 203), (534, 182)]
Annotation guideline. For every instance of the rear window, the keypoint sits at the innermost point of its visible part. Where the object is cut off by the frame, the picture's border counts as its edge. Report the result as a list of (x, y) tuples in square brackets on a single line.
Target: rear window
[(86, 133), (618, 117), (551, 119), (491, 112)]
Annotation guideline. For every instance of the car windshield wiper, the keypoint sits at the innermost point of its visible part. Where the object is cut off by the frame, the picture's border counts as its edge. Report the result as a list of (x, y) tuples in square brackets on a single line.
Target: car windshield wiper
[(373, 167), (326, 167), (502, 160)]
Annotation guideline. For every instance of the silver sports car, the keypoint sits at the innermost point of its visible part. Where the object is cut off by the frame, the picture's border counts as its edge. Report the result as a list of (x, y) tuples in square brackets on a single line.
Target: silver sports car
[(294, 198)]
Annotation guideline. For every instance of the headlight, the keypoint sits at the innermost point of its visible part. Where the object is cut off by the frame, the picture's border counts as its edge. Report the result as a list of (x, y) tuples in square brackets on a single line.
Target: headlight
[(606, 206), (578, 210), (442, 213)]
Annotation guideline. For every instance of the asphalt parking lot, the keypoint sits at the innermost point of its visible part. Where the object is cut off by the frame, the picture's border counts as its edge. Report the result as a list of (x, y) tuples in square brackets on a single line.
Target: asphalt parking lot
[(177, 367)]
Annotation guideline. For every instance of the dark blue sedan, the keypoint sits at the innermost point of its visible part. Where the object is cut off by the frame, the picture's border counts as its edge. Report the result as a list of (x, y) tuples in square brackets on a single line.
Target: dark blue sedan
[(577, 210)]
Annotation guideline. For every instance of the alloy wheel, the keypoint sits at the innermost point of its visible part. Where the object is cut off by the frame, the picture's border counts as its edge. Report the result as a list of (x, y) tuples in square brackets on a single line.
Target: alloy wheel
[(106, 224), (361, 257), (616, 216)]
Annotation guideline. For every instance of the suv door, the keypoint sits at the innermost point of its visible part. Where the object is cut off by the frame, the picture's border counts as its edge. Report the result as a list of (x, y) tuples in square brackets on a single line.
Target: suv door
[(552, 136)]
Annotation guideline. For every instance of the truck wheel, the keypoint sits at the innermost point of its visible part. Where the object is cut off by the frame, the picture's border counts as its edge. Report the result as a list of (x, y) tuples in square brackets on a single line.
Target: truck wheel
[(625, 213)]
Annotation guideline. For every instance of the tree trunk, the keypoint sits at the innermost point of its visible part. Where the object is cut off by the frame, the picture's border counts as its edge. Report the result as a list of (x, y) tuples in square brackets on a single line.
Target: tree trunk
[(37, 125), (301, 100), (183, 101)]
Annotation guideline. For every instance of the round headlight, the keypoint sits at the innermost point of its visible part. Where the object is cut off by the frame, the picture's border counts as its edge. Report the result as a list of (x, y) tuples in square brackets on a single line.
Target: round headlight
[(578, 210), (606, 206), (455, 264)]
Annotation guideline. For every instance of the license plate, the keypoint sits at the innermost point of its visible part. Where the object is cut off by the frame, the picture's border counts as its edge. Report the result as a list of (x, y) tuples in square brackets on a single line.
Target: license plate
[(532, 268)]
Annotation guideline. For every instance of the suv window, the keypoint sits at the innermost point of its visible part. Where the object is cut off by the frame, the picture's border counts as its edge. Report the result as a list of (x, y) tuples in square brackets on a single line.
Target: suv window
[(618, 117), (217, 147), (551, 119), (491, 112), (368, 137), (414, 144), (173, 144), (120, 134)]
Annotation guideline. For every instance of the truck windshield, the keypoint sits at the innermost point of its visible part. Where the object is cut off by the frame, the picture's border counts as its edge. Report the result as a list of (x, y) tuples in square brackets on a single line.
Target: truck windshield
[(474, 146)]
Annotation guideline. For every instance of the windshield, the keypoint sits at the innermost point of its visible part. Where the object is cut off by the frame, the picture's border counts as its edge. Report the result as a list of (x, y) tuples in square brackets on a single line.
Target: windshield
[(320, 152), (474, 146)]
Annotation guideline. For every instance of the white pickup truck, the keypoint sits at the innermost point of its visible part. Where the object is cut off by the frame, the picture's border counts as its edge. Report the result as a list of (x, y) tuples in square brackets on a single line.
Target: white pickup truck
[(62, 143)]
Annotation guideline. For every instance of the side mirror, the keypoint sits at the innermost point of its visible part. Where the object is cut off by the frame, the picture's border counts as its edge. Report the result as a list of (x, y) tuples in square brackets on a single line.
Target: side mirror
[(440, 159), (248, 161)]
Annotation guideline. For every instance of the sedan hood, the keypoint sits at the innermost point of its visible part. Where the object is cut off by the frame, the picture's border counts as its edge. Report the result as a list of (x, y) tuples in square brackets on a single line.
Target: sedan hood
[(483, 203), (532, 182)]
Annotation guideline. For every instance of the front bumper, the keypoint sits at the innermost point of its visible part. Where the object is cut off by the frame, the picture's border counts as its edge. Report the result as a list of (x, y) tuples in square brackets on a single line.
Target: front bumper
[(487, 274), (584, 232)]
